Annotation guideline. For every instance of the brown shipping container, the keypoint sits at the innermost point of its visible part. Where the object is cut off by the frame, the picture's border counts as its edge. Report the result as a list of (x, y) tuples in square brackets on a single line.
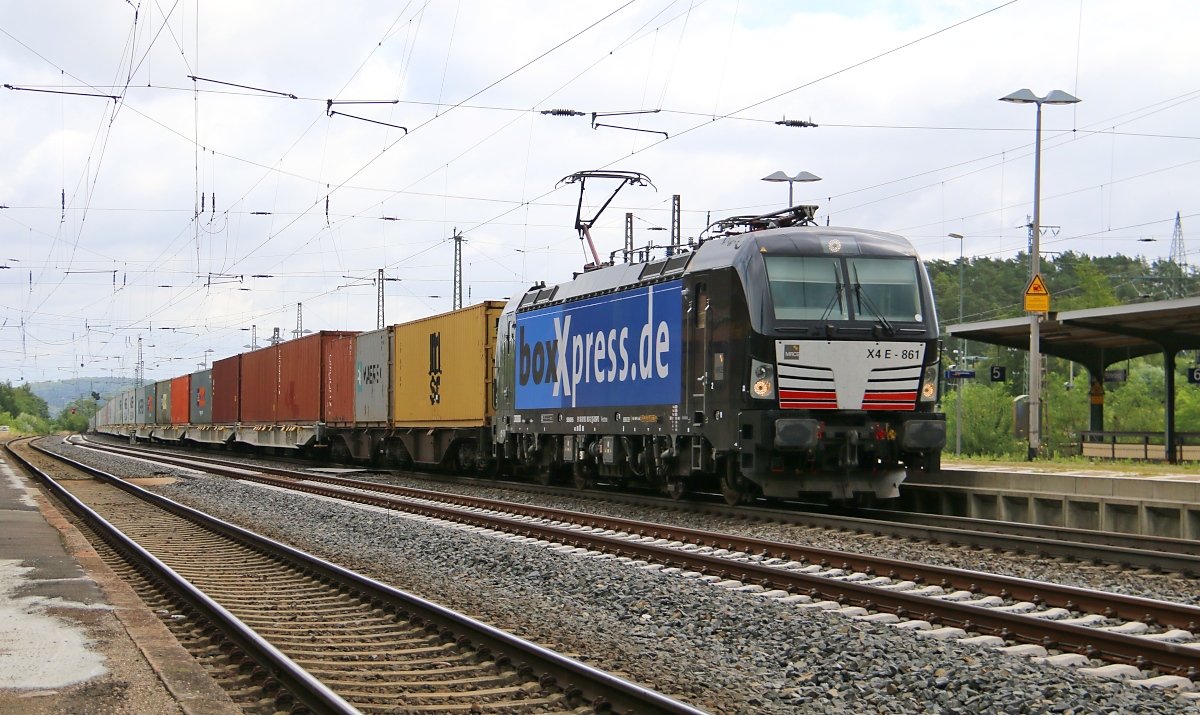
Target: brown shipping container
[(260, 385), (301, 395), (340, 381), (226, 390), (181, 399), (442, 368)]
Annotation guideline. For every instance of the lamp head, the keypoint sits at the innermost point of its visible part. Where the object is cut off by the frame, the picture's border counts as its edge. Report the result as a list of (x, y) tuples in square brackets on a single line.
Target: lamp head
[(805, 176), (1021, 96), (955, 235), (1025, 96), (1058, 96), (777, 176)]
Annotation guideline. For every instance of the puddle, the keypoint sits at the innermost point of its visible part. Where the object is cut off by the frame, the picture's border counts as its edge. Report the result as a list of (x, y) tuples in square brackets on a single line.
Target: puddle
[(39, 651)]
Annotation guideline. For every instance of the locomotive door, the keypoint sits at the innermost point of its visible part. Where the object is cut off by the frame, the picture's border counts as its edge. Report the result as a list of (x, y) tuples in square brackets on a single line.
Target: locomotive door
[(698, 355)]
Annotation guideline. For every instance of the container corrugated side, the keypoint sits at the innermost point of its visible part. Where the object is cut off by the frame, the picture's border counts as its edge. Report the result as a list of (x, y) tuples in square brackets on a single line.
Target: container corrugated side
[(260, 385), (301, 378), (442, 368), (339, 381), (226, 390), (148, 398), (200, 407), (372, 377), (181, 396), (162, 402)]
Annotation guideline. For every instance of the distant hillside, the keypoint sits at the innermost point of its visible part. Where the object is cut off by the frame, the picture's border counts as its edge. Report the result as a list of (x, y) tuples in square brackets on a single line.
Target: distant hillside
[(59, 393)]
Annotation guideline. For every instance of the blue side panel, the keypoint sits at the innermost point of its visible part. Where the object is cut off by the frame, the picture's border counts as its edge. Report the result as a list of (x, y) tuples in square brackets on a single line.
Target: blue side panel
[(618, 350)]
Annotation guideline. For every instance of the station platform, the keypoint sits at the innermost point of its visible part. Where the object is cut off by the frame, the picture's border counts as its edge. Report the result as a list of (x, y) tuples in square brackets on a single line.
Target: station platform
[(1148, 499), (74, 638)]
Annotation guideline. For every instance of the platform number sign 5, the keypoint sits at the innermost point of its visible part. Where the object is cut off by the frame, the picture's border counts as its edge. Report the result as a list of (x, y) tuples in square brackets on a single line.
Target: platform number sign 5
[(1194, 374), (998, 373)]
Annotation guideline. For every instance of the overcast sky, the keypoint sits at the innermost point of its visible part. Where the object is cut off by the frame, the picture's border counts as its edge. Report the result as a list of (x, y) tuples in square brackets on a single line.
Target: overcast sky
[(910, 139)]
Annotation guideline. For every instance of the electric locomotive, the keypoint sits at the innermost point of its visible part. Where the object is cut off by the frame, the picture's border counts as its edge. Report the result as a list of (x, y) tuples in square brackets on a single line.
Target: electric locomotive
[(777, 358)]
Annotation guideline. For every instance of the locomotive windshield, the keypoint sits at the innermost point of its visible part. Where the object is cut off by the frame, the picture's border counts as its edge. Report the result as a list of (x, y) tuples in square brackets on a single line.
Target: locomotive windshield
[(822, 288), (887, 287), (806, 287)]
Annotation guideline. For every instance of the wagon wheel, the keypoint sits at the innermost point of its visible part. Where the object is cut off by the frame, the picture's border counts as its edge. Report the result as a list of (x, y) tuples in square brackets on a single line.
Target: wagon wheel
[(734, 496), (677, 488), (585, 475), (544, 474)]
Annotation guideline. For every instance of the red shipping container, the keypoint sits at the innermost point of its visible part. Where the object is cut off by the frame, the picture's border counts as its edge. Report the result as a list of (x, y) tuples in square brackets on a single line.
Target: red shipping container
[(340, 380), (301, 397), (260, 385), (227, 390), (181, 399)]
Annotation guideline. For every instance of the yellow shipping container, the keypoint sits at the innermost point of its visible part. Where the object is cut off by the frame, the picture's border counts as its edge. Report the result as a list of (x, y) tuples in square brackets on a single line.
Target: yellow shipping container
[(442, 368)]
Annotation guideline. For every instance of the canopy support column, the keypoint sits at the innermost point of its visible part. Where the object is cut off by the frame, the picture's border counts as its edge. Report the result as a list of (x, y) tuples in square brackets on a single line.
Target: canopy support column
[(1169, 385), (1096, 397)]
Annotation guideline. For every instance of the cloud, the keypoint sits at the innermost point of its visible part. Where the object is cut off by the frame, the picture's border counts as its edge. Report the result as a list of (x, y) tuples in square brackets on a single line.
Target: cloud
[(490, 166)]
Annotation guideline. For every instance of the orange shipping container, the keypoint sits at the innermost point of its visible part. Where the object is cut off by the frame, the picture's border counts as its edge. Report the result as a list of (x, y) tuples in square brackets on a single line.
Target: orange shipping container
[(302, 378), (181, 399), (340, 380), (442, 368)]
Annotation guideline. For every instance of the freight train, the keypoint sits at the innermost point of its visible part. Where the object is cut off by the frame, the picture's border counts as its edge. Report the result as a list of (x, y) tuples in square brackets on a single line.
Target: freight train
[(777, 358)]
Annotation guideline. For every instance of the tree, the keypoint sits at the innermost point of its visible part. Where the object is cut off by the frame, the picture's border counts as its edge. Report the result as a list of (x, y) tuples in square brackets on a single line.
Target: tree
[(75, 416)]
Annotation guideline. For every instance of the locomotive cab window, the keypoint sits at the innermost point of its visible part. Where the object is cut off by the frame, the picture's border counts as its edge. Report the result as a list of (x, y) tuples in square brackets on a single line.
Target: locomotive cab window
[(886, 286), (806, 287)]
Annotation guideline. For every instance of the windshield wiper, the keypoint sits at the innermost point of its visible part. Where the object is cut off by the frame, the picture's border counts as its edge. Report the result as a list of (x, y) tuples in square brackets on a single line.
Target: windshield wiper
[(864, 299), (837, 295)]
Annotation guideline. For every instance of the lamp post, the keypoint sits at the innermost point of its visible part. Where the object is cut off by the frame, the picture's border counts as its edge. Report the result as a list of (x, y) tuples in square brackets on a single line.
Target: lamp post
[(1025, 96), (961, 348), (802, 177)]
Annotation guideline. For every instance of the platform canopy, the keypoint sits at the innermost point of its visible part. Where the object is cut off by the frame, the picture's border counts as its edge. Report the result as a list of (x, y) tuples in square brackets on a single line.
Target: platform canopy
[(1099, 337)]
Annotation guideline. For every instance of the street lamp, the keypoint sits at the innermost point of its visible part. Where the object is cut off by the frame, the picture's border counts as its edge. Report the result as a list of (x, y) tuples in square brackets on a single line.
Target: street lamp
[(802, 177), (962, 348), (1024, 96)]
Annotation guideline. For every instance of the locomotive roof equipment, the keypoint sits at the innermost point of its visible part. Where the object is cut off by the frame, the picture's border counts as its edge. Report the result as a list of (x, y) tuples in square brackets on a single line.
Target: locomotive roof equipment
[(584, 226)]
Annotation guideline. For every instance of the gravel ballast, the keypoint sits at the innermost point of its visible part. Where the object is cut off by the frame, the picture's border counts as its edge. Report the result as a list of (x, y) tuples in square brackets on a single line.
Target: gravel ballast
[(724, 651), (1141, 582)]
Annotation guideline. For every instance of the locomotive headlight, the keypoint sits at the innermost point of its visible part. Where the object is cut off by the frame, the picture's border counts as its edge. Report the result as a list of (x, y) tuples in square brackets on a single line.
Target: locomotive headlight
[(929, 387), (763, 375)]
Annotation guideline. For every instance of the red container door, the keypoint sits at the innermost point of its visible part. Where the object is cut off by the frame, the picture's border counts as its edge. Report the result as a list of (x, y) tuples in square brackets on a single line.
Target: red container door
[(181, 399), (339, 380), (226, 390), (260, 385)]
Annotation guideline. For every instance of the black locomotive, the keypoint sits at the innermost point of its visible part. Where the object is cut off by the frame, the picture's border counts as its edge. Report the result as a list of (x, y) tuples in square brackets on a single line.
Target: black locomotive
[(778, 358)]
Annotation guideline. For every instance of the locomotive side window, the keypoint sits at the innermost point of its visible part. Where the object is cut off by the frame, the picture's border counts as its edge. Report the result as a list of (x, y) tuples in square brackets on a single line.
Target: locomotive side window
[(806, 287), (701, 305), (890, 284)]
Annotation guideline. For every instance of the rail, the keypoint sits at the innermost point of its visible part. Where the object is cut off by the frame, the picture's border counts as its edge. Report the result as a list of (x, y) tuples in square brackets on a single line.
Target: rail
[(601, 688), (315, 695), (671, 546)]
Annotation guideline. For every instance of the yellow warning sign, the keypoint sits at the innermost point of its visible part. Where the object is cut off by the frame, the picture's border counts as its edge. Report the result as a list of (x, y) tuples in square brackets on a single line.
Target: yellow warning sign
[(1037, 296)]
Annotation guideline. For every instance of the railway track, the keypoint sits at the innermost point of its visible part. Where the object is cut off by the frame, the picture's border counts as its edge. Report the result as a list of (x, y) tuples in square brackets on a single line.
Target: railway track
[(283, 630), (1159, 554), (1150, 641)]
